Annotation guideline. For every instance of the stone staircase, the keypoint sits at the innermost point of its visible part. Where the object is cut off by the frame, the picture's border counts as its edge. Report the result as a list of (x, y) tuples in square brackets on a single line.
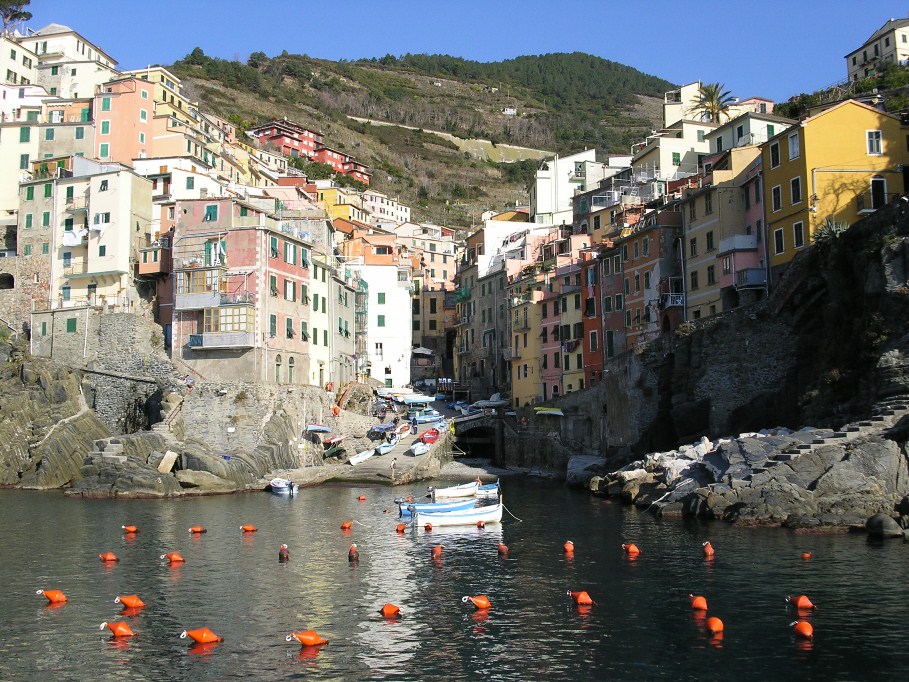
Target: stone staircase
[(883, 416)]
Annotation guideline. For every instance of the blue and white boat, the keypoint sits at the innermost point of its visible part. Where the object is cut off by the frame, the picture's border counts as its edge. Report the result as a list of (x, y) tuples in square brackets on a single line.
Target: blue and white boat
[(419, 448), (491, 513), (409, 508), (429, 416), (386, 447), (282, 486), (489, 491), (463, 490), (318, 428)]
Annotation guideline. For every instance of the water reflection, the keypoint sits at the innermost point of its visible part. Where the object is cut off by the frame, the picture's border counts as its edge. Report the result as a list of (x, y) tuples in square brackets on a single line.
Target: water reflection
[(641, 627)]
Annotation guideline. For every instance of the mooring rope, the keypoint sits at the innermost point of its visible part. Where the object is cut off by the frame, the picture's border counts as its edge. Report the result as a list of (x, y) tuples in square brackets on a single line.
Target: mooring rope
[(512, 515)]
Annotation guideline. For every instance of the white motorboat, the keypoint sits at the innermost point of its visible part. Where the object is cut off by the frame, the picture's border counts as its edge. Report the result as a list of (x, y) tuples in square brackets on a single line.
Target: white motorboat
[(468, 517), (463, 490), (282, 486)]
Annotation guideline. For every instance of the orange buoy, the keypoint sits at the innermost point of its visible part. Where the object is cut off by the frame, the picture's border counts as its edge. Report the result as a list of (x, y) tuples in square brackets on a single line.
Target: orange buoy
[(390, 611), (173, 558), (410, 498), (568, 547), (581, 598), (196, 530), (698, 603), (631, 549), (201, 636), (108, 556), (802, 628), (53, 596), (130, 529), (346, 525), (714, 625), (503, 549), (283, 554), (806, 555), (362, 498), (335, 410), (436, 552), (353, 554), (248, 528), (307, 638), (708, 550), (481, 524), (428, 526), (401, 527), (481, 601), (120, 629), (130, 601), (800, 602)]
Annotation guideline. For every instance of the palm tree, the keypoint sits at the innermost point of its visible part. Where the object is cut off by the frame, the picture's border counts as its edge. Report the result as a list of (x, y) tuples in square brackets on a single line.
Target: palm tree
[(713, 101)]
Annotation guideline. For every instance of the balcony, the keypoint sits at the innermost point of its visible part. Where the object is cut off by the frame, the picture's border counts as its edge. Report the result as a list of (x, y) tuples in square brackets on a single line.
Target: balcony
[(738, 242), (200, 261), (751, 278), (463, 349), (221, 340), (511, 354), (869, 202), (672, 300), (198, 290), (464, 319), (75, 204), (75, 267)]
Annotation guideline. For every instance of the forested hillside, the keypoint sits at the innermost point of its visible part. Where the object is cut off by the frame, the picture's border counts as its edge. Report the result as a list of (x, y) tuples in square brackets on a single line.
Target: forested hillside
[(558, 102)]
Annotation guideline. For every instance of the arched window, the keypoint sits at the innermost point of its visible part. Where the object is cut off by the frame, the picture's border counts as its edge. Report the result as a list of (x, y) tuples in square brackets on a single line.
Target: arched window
[(277, 369), (290, 370)]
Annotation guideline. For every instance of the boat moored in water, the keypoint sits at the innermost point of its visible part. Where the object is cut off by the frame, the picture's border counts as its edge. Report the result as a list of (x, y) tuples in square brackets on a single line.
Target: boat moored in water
[(463, 490), (410, 508), (283, 486), (468, 517)]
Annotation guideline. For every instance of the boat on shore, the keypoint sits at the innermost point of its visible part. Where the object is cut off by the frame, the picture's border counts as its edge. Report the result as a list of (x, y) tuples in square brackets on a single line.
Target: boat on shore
[(283, 486), (419, 448), (467, 517), (387, 446), (429, 436), (361, 457), (463, 490), (410, 508)]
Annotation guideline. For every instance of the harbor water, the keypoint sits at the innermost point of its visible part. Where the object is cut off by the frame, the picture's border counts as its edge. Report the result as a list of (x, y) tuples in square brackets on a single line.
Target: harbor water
[(641, 626)]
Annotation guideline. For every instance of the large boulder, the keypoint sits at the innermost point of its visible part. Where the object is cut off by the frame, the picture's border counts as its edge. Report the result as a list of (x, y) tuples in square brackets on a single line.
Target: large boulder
[(882, 526)]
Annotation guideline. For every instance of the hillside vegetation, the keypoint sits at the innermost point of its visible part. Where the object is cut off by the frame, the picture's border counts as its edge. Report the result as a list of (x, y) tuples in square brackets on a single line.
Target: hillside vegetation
[(563, 103)]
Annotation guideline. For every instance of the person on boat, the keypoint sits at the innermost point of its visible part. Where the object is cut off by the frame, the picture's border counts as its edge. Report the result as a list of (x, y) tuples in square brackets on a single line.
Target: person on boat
[(395, 421)]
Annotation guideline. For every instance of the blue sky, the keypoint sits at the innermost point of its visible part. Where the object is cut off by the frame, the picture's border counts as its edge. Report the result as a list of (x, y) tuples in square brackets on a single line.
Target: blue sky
[(772, 48)]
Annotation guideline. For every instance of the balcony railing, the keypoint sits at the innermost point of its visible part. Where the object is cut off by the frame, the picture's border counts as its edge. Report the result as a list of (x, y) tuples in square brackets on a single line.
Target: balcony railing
[(672, 300), (76, 267), (750, 278), (871, 201), (464, 319), (75, 204), (511, 354), (216, 340), (738, 242)]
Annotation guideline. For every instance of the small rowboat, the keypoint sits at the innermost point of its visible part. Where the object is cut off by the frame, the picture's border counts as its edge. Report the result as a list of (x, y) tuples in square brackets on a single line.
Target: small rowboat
[(490, 491), (420, 448), (463, 490), (318, 428), (282, 486), (429, 436), (468, 517), (334, 440), (385, 448), (361, 457), (409, 508)]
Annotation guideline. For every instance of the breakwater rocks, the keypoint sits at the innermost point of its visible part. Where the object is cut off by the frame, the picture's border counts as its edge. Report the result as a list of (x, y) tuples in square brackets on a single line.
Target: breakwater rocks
[(801, 479)]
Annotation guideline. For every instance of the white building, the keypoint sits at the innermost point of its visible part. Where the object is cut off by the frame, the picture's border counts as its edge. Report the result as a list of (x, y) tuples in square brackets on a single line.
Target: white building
[(389, 329), (69, 66), (672, 153), (560, 178), (887, 45), (385, 212)]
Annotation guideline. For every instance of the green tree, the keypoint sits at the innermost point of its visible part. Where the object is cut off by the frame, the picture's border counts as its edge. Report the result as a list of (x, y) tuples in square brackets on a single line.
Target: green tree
[(713, 101), (257, 59), (12, 12)]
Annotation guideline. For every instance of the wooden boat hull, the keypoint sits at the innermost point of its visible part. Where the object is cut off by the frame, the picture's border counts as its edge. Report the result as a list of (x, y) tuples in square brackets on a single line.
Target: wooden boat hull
[(469, 517), (463, 490), (418, 449), (488, 492)]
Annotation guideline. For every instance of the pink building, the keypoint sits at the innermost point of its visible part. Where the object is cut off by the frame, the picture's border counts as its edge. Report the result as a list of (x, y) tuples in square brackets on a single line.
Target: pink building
[(342, 163), (123, 110), (743, 256), (241, 299), (288, 137)]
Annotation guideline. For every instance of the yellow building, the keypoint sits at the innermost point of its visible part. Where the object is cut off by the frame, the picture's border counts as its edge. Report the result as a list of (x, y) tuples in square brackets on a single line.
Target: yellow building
[(524, 352), (344, 203), (843, 163)]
